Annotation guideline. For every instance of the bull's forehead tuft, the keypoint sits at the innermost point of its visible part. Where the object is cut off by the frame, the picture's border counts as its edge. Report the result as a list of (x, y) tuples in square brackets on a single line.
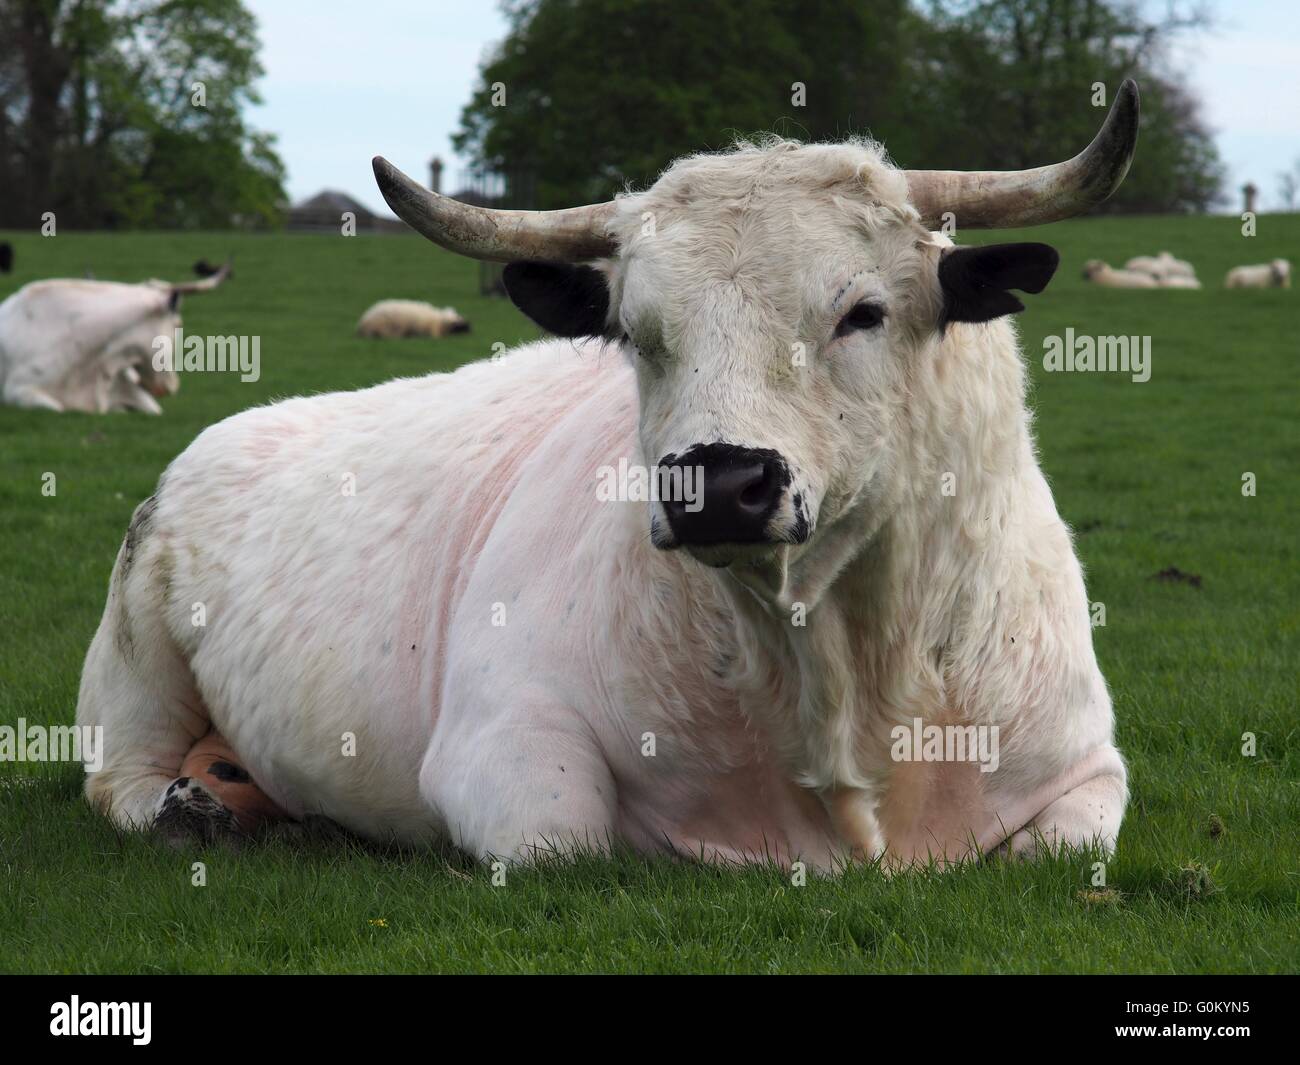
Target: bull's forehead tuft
[(774, 177)]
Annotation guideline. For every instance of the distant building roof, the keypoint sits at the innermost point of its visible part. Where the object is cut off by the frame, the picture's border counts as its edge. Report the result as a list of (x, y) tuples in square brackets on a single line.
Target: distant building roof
[(324, 211)]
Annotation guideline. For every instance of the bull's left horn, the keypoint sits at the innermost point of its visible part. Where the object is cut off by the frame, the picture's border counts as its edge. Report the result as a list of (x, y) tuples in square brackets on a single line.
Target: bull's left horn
[(1004, 199), (572, 235)]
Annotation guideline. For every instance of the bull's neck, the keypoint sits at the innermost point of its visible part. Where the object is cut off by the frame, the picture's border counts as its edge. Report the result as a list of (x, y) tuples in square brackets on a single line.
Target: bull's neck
[(864, 623)]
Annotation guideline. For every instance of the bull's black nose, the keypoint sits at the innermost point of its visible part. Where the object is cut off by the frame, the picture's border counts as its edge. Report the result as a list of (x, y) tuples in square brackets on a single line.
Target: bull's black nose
[(737, 491)]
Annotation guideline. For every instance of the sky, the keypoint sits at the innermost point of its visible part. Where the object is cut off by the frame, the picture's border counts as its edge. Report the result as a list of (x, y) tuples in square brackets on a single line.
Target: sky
[(349, 79)]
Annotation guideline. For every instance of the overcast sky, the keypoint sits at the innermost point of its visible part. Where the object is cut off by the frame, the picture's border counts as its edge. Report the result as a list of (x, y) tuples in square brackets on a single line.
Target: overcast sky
[(348, 79)]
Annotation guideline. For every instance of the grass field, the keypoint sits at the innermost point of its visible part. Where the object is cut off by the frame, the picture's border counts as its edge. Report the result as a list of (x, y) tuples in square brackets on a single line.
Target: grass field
[(1150, 476)]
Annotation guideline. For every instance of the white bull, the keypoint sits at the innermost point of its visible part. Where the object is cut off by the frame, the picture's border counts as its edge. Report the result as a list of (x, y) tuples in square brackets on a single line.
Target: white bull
[(88, 346), (869, 636)]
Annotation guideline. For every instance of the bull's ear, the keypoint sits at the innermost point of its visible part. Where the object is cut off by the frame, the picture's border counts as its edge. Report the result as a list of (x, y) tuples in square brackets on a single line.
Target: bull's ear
[(975, 281), (567, 300)]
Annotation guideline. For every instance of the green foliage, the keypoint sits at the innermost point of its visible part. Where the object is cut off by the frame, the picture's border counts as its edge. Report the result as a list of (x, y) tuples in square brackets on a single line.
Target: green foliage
[(103, 123), (1149, 476), (600, 93)]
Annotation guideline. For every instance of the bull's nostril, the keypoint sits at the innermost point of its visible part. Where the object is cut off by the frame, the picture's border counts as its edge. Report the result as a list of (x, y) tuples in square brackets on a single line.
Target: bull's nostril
[(758, 493)]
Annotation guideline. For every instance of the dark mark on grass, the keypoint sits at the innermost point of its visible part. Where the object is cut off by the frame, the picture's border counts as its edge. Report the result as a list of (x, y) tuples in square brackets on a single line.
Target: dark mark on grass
[(1173, 575)]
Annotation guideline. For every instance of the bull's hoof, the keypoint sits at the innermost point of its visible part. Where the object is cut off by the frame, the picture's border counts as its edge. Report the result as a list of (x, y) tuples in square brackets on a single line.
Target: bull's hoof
[(188, 812)]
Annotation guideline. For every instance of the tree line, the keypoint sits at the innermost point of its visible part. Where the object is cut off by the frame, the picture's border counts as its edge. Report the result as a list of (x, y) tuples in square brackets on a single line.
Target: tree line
[(590, 95), (130, 113)]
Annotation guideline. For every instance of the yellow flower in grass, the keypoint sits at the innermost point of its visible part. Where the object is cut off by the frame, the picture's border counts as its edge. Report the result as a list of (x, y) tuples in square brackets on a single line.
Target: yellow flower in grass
[(379, 922)]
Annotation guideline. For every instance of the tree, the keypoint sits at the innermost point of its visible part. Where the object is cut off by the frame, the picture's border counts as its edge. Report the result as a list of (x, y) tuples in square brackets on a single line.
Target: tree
[(599, 93), (124, 113), (1015, 79), (1288, 187)]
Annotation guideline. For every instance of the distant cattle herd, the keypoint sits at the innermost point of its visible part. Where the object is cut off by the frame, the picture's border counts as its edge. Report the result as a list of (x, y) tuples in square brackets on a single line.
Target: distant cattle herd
[(59, 368), (1166, 271)]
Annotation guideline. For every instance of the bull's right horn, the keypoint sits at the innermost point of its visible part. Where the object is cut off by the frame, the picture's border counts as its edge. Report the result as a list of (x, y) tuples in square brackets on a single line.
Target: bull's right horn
[(1004, 199), (573, 235)]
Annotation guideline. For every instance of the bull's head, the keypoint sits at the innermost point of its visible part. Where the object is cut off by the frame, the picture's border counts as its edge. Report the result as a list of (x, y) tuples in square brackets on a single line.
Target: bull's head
[(773, 299)]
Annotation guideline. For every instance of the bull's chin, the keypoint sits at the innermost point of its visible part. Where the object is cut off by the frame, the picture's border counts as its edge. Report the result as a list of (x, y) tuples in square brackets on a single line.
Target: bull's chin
[(738, 555)]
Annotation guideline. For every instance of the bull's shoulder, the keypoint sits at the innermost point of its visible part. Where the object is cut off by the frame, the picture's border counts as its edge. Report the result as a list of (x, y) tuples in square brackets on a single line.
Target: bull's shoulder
[(409, 427)]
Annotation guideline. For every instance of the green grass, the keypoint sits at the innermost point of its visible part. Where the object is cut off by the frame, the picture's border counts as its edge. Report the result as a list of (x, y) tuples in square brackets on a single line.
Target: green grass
[(1149, 475)]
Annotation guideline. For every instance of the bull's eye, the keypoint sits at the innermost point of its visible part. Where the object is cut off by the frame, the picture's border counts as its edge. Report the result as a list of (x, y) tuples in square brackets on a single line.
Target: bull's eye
[(862, 316)]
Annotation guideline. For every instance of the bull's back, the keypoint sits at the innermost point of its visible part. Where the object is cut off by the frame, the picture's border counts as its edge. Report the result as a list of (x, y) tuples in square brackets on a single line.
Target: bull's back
[(315, 550)]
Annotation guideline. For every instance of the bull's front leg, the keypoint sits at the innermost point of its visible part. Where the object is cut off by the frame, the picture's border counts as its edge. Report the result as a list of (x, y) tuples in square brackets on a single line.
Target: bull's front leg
[(520, 783)]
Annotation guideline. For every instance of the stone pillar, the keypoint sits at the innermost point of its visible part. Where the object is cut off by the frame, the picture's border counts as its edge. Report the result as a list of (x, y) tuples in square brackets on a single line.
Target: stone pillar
[(1249, 191), (435, 174)]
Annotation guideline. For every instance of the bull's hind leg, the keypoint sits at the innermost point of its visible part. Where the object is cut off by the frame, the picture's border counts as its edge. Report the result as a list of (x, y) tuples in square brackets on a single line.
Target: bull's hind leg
[(137, 687)]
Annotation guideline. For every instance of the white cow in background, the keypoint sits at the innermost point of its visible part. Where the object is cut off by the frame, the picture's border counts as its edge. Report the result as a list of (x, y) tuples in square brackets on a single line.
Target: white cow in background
[(1101, 273), (1164, 268), (88, 346), (1276, 274), (391, 319), (422, 620)]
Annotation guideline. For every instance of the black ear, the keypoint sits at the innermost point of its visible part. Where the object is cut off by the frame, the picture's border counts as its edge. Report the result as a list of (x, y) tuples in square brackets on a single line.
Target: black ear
[(975, 280), (567, 300)]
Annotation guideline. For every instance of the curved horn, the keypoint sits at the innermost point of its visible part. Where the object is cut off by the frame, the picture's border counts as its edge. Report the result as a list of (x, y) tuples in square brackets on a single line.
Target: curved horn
[(572, 235), (1004, 199), (186, 288)]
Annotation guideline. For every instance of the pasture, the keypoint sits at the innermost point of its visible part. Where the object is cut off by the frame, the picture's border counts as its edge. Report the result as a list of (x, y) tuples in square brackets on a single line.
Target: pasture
[(1207, 876)]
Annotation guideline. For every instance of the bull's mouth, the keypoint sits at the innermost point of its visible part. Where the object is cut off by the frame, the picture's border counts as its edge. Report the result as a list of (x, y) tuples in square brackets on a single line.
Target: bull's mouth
[(724, 555), (721, 556)]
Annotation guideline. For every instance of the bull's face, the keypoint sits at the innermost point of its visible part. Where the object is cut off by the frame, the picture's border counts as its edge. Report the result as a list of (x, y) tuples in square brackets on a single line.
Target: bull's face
[(774, 308), (770, 351)]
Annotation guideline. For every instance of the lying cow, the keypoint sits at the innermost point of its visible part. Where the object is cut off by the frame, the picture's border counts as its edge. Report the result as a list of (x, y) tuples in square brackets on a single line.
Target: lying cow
[(1276, 274), (390, 319), (89, 345), (1100, 273), (1164, 268), (422, 621)]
